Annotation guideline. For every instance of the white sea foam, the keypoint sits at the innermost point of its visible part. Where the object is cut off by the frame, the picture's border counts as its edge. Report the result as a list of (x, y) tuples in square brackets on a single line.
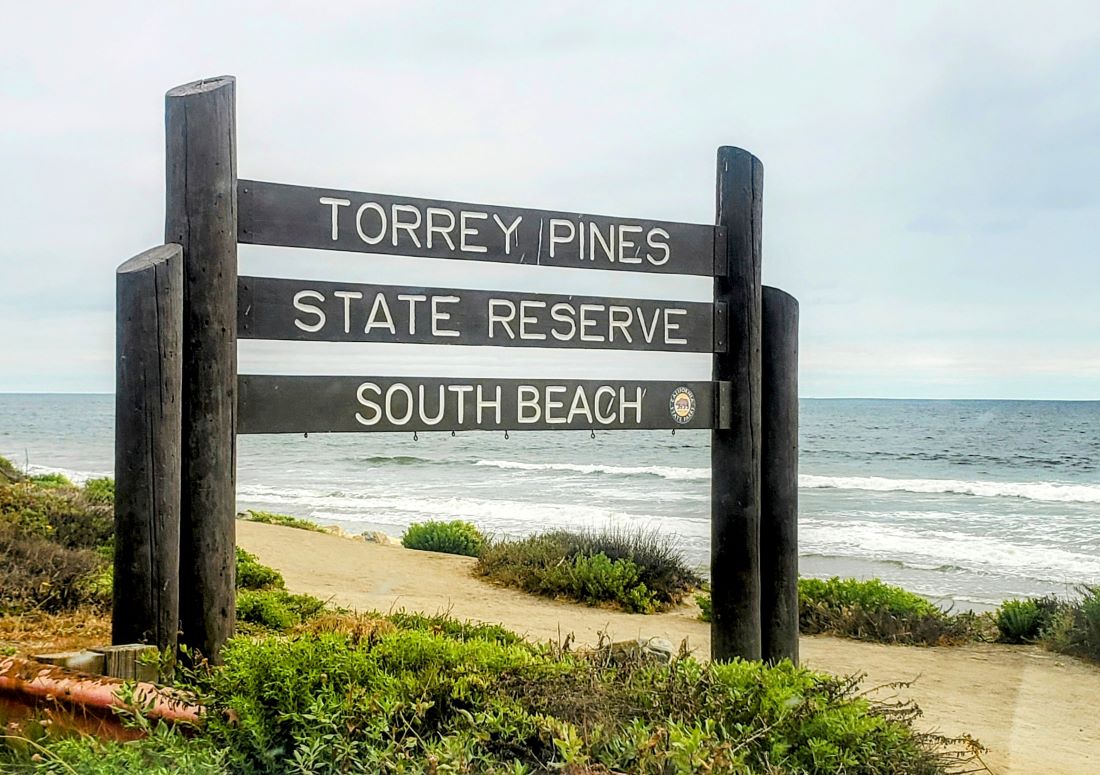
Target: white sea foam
[(76, 477), (665, 472), (974, 553), (1036, 491)]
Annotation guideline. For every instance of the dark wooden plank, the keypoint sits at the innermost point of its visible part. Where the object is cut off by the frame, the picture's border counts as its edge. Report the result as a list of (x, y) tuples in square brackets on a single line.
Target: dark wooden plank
[(779, 477), (201, 215), (295, 404), (735, 453), (331, 219), (148, 381), (307, 310)]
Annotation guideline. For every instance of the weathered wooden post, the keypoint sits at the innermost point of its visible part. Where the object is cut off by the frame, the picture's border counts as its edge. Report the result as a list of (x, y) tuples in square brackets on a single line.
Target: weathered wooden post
[(779, 477), (201, 215), (735, 452), (148, 342)]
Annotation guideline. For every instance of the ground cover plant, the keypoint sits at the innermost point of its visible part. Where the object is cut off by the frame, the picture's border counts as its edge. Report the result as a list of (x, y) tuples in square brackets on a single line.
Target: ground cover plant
[(285, 520), (640, 571), (872, 610), (412, 694), (454, 537), (1068, 626)]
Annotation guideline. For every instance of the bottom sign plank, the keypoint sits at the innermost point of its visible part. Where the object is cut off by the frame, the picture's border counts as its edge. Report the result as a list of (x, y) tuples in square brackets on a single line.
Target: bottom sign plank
[(319, 404)]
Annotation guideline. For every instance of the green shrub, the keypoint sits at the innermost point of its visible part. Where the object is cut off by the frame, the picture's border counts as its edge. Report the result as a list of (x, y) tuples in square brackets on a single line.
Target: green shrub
[(1022, 621), (455, 537), (639, 571), (276, 609), (63, 515), (1075, 626), (51, 480), (252, 574), (418, 699), (101, 490), (8, 472), (706, 610), (38, 574), (285, 520)]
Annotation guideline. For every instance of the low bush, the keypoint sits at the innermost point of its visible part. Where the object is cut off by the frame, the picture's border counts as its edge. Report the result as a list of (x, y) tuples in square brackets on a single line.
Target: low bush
[(275, 609), (455, 537), (101, 490), (8, 472), (52, 479), (409, 696), (640, 572), (252, 574), (37, 574), (1023, 621), (285, 520), (871, 610), (1075, 626), (63, 515)]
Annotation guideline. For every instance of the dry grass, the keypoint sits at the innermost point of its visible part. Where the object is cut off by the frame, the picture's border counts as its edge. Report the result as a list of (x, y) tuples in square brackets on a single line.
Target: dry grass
[(39, 633)]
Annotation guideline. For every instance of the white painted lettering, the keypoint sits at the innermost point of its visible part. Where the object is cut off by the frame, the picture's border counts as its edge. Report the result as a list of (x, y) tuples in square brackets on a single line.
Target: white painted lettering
[(483, 404), (587, 323), (608, 245), (622, 324), (380, 306), (336, 204), (438, 317), (625, 245), (527, 397), (525, 319), (670, 326), (409, 226), (439, 416), (381, 219), (555, 238), (657, 244), (399, 387), (508, 230), (309, 309), (504, 320), (551, 404), (636, 405), (465, 231), (371, 405), (412, 299), (558, 313), (604, 390), (580, 405), (443, 231), (347, 296), (460, 391)]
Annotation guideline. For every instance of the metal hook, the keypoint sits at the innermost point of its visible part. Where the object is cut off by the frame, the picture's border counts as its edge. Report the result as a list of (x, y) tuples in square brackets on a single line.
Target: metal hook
[(306, 434), (673, 431), (506, 434), (592, 433), (415, 437), (452, 434)]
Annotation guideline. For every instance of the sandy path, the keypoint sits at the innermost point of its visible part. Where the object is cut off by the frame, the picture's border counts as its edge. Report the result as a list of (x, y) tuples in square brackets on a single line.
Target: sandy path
[(1035, 711)]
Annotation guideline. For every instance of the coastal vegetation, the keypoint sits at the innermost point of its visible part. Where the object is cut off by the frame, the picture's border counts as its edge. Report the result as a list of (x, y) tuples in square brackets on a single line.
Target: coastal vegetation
[(638, 571), (285, 520), (408, 693), (454, 537)]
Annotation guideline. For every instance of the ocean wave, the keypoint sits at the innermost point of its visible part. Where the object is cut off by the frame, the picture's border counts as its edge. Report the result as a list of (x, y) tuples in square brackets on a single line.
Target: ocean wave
[(397, 460), (1036, 491), (947, 550), (665, 472), (76, 477)]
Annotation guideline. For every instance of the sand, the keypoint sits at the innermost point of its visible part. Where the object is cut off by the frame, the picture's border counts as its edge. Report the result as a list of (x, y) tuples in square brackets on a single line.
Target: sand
[(1035, 711)]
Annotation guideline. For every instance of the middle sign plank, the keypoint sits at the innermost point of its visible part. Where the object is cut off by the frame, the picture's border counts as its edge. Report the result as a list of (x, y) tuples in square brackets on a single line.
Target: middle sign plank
[(308, 310)]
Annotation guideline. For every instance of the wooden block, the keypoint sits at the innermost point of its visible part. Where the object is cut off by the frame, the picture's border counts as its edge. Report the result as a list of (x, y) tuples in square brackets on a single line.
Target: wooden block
[(83, 661), (130, 661)]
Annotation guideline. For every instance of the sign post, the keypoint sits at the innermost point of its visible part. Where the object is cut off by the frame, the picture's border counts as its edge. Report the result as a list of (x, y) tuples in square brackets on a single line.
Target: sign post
[(735, 451), (201, 216)]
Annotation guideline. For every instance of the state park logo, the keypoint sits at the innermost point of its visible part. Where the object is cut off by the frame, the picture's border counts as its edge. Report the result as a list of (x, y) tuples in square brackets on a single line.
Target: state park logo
[(682, 405)]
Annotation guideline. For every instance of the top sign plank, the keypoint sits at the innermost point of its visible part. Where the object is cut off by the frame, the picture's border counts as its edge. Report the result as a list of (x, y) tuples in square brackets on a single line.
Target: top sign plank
[(301, 217)]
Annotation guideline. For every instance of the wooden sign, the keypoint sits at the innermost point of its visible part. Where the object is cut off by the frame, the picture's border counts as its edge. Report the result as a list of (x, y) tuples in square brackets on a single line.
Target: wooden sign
[(284, 404), (301, 217), (307, 310)]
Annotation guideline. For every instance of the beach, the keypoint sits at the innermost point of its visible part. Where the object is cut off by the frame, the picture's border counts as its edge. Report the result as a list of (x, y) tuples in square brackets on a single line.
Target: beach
[(1034, 710)]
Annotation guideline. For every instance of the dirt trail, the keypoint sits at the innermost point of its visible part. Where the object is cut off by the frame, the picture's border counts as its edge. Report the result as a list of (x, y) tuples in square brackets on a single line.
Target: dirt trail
[(1035, 711)]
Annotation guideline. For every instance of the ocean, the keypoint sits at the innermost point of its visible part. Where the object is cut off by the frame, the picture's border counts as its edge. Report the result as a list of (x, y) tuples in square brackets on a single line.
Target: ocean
[(966, 502)]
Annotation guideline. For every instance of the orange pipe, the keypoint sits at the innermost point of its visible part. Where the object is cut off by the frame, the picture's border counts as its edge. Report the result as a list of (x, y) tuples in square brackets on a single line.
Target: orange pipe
[(32, 683)]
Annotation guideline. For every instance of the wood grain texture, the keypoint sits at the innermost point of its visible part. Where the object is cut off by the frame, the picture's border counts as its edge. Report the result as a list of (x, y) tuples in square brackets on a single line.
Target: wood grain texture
[(148, 383), (201, 215), (735, 453), (779, 477)]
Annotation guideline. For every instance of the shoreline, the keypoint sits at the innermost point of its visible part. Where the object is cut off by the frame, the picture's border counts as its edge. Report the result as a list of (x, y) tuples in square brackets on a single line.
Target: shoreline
[(1033, 709)]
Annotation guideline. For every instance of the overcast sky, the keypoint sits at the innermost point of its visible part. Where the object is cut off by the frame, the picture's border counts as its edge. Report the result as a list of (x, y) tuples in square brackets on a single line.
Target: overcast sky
[(931, 188)]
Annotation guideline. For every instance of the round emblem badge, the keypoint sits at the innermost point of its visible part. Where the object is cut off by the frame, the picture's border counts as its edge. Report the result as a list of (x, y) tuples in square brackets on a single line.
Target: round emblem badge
[(682, 405)]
